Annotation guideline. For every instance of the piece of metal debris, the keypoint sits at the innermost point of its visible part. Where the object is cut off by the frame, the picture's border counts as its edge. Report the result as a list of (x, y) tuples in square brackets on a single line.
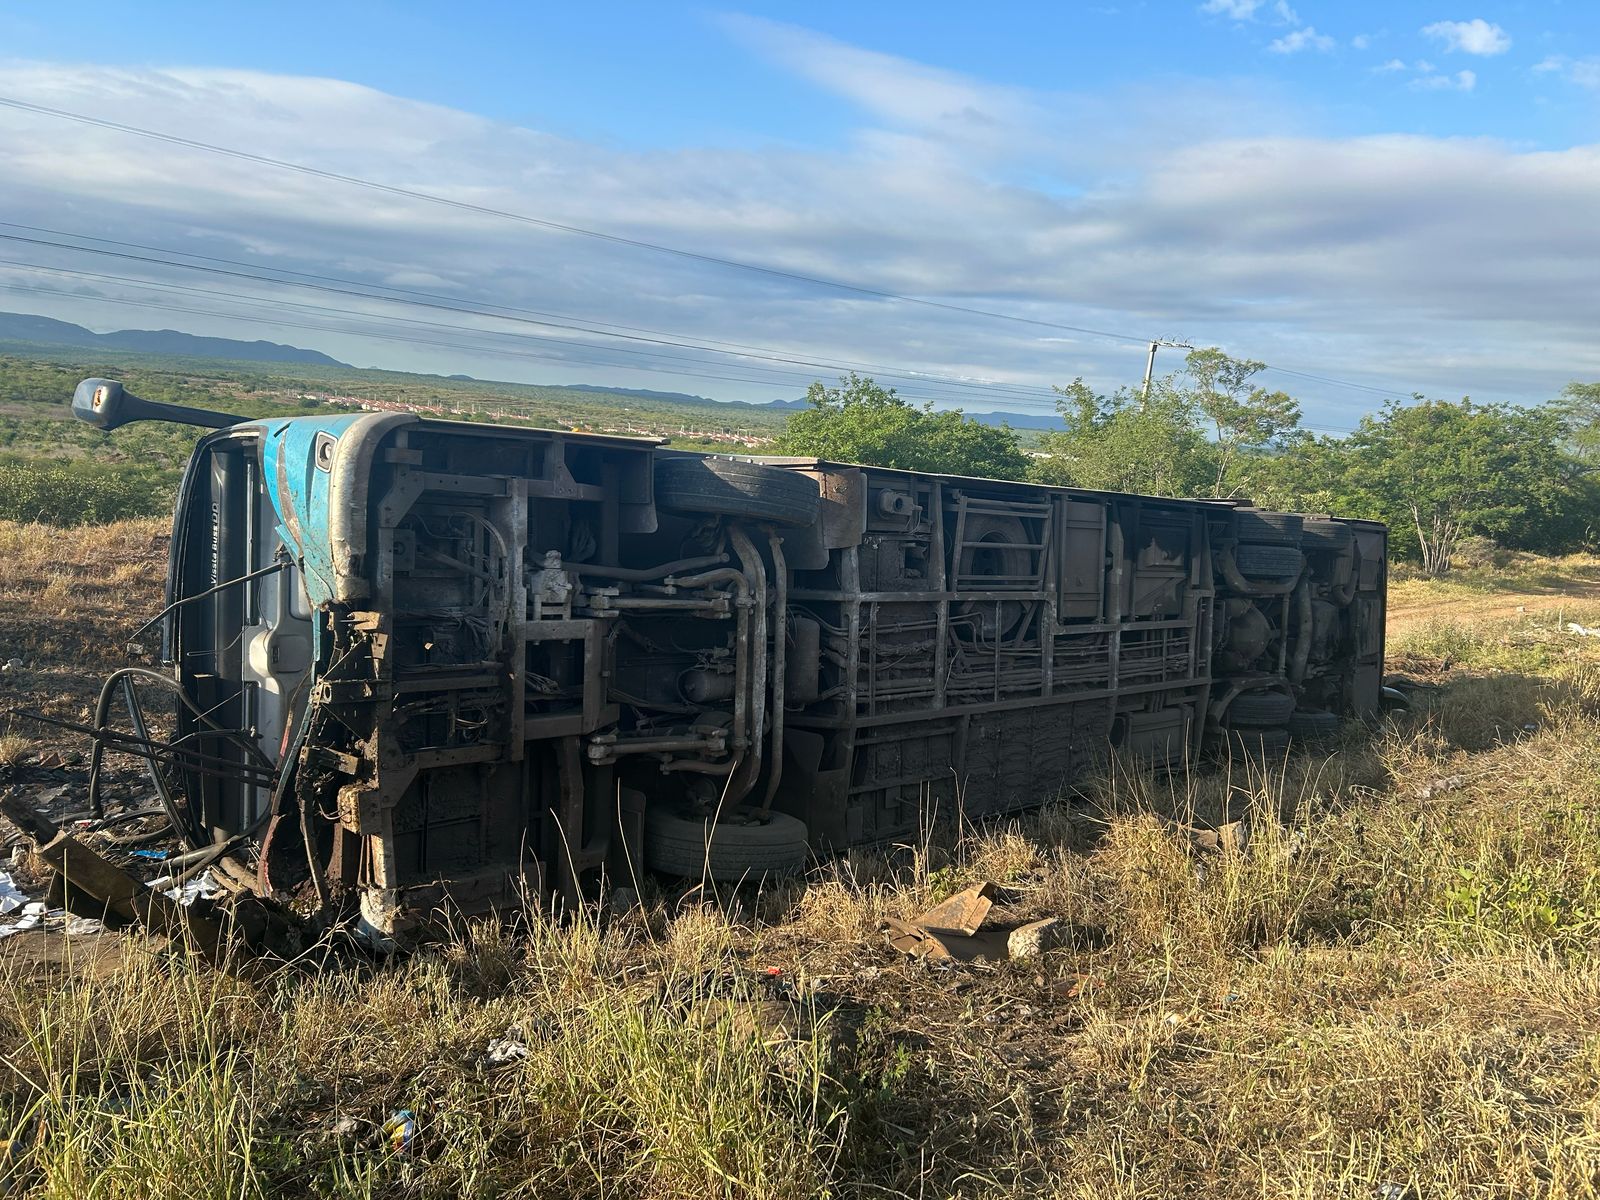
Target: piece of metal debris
[(89, 887)]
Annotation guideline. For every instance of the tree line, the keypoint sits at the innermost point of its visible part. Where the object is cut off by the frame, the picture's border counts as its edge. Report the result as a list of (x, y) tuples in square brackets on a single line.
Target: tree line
[(1437, 472)]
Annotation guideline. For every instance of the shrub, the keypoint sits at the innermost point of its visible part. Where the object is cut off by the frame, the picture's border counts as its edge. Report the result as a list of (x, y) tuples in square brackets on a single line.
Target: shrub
[(58, 493)]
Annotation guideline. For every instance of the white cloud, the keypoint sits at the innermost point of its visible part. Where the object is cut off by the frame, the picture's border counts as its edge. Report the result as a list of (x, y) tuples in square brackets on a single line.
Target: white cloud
[(1238, 10), (1476, 36), (1301, 39), (1583, 72), (1461, 81), (1449, 266), (1361, 41), (1394, 64), (1284, 13)]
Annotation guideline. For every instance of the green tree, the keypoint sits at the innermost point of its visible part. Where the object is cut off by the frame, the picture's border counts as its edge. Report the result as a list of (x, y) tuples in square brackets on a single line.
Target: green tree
[(1438, 471), (1308, 474), (860, 422), (1123, 444), (1246, 419), (1578, 410)]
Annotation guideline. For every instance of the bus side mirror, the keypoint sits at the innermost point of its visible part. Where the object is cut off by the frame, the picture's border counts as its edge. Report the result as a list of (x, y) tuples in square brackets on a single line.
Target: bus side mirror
[(100, 403), (106, 404)]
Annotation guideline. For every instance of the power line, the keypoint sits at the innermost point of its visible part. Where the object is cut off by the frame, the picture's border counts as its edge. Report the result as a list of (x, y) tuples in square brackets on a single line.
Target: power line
[(272, 319), (556, 226), (400, 291), (613, 238), (919, 378), (353, 313)]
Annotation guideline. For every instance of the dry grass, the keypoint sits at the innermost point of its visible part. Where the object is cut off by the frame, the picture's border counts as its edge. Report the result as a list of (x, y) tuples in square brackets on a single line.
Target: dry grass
[(1392, 992), (69, 601), (13, 746)]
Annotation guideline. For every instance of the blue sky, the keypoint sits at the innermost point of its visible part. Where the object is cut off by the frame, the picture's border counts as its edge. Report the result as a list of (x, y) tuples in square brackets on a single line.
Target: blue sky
[(1395, 195)]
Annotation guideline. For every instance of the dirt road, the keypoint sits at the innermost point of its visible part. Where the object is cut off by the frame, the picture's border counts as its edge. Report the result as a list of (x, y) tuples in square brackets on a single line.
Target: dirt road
[(1550, 585)]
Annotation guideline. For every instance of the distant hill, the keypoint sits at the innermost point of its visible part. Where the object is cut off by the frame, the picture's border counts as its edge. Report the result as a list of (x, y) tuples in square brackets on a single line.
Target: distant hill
[(1020, 420), (23, 327), (35, 330), (643, 394), (1014, 419)]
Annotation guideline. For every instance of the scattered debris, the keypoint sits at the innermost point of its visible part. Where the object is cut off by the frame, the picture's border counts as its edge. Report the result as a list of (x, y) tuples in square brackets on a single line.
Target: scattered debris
[(778, 985), (348, 1129), (11, 897), (203, 886), (399, 1131), (1393, 699), (11, 665), (1438, 787), (1583, 630), (962, 913), (33, 917), (504, 1050), (954, 930), (1073, 986), (88, 886), (1034, 938), (1230, 838)]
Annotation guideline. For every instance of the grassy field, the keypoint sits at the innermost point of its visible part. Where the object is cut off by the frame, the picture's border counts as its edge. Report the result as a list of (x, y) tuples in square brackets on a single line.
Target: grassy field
[(1392, 993), (58, 469)]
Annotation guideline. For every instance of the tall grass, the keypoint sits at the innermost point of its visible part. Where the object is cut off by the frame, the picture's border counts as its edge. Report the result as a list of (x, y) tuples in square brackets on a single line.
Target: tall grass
[(1390, 990)]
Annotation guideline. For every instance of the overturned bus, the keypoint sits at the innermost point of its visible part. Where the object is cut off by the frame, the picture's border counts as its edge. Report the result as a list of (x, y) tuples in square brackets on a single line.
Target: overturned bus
[(452, 662)]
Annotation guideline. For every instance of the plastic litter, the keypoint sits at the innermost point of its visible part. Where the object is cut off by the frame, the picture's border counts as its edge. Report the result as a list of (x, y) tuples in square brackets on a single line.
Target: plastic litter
[(152, 855), (36, 916), (779, 985), (399, 1131), (11, 897), (203, 886), (503, 1050), (33, 915), (348, 1128)]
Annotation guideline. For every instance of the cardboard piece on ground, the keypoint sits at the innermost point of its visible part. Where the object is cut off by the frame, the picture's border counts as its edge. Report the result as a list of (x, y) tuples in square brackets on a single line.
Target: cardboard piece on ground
[(963, 913), (1231, 838), (952, 930)]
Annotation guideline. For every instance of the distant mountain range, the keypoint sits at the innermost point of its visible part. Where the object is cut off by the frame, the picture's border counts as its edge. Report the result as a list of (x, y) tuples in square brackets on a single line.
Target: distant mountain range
[(23, 327), (1014, 419)]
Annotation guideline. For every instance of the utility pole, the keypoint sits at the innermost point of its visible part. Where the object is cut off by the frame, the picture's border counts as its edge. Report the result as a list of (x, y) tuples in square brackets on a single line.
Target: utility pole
[(1150, 365)]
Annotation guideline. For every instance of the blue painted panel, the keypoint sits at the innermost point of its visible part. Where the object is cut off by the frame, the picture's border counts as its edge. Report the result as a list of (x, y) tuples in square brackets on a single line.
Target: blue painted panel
[(299, 491)]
